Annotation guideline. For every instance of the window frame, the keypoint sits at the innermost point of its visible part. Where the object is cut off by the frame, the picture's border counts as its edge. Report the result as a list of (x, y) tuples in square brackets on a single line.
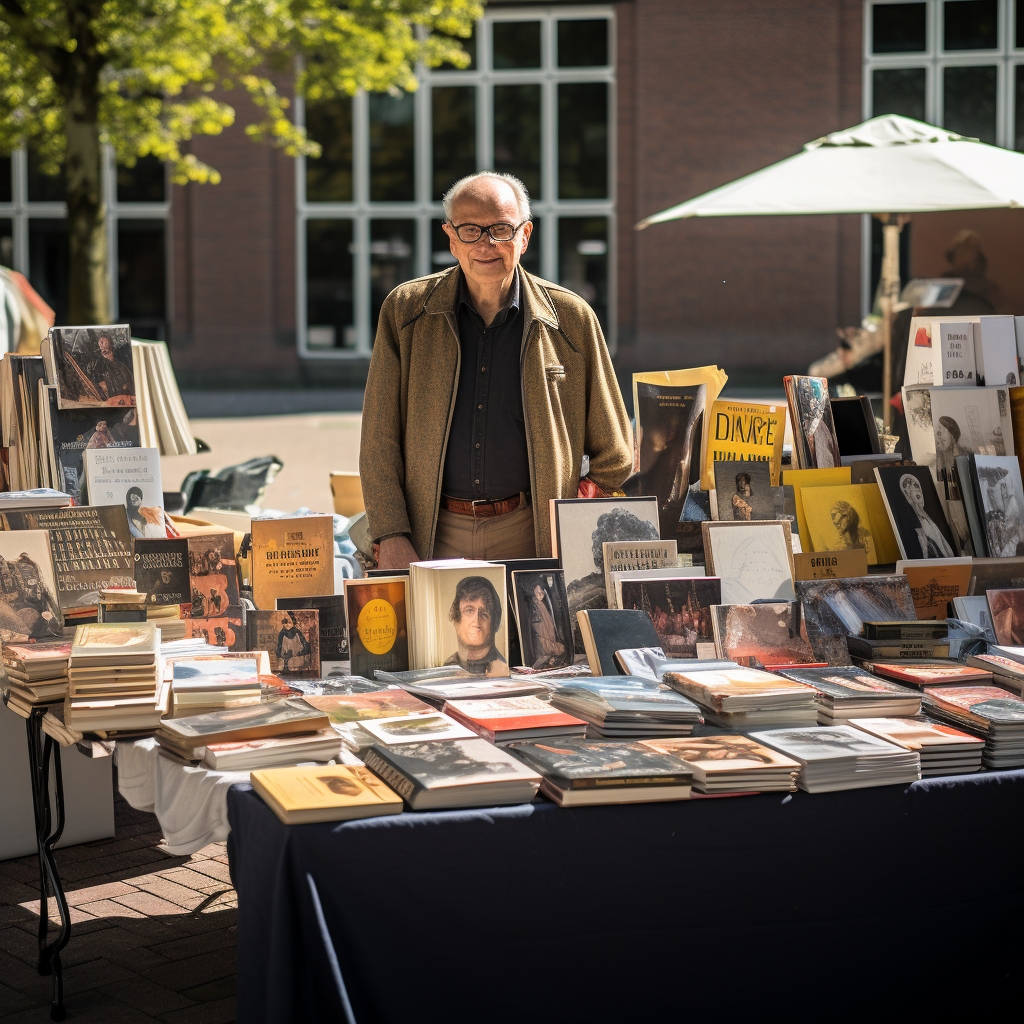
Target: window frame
[(424, 208)]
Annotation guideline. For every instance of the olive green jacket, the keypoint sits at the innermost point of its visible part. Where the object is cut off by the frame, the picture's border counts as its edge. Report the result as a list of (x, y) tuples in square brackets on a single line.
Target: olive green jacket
[(571, 402)]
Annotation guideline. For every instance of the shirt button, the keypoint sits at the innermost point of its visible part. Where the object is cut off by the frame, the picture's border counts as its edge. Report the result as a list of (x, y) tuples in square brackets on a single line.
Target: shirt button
[(483, 369), (479, 406), (476, 481), (478, 444)]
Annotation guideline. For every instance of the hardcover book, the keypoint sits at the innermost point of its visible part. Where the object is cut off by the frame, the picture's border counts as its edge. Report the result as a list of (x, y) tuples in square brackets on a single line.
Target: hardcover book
[(161, 571), (838, 519), (343, 792), (931, 675), (117, 644), (799, 479), (915, 512), (542, 618), (623, 556), (1007, 610), (760, 635), (999, 501), (680, 610), (255, 721), (376, 612), (346, 709), (736, 764), (955, 362), (130, 478), (607, 630), (91, 550), (917, 735), (277, 750), (507, 719), (93, 366), (814, 434), (215, 610), (855, 427), (334, 653), (292, 557), (744, 432), (414, 729), (291, 638), (995, 351), (740, 689), (30, 609), (934, 582), (753, 560), (986, 707), (75, 431)]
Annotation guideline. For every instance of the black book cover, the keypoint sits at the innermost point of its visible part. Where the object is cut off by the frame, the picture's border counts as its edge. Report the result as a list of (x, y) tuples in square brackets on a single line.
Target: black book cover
[(333, 634), (597, 764), (854, 423), (75, 430), (515, 648), (161, 571), (617, 629)]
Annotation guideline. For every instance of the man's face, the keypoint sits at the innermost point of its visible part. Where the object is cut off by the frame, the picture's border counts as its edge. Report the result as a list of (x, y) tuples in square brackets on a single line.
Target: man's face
[(474, 626), (485, 202), (106, 349)]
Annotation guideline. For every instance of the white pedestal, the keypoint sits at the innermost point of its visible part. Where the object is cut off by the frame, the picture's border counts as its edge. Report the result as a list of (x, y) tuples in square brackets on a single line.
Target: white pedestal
[(88, 793)]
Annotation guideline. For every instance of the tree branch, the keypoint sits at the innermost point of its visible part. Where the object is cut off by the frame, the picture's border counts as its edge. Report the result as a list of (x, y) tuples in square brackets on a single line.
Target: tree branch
[(52, 56)]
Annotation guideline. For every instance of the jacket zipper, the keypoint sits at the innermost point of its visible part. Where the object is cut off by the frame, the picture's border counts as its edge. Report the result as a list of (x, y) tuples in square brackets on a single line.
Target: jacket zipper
[(447, 432)]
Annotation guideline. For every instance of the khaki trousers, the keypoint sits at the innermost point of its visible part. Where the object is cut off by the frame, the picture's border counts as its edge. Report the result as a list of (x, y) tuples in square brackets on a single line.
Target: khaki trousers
[(507, 536)]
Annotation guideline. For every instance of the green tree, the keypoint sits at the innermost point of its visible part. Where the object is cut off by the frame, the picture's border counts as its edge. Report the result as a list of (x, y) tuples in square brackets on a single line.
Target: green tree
[(146, 76)]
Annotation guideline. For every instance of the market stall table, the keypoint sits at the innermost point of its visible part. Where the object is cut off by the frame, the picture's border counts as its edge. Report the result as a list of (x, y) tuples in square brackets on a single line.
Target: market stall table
[(744, 905)]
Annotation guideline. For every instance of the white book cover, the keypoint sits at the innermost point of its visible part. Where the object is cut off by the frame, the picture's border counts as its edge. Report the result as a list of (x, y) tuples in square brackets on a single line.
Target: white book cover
[(955, 362), (416, 729), (129, 477), (995, 351)]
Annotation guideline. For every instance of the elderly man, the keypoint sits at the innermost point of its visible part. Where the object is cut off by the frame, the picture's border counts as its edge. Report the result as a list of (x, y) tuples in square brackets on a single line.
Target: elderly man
[(486, 389)]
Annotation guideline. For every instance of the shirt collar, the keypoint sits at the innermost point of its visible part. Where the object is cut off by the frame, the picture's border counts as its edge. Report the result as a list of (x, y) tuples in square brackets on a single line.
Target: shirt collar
[(512, 303)]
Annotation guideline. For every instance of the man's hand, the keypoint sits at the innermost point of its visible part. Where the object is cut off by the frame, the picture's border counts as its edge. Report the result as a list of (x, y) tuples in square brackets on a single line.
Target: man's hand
[(396, 553)]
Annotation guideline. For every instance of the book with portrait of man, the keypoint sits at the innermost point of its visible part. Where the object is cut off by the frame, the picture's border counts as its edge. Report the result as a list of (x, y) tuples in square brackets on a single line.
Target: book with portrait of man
[(542, 618), (91, 366), (29, 609), (917, 517)]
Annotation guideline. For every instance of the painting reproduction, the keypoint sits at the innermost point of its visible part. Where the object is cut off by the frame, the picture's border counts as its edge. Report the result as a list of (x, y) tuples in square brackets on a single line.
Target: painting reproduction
[(542, 612), (29, 609), (745, 493), (679, 609), (93, 366), (1007, 609), (474, 632), (838, 519), (814, 434), (1001, 494), (915, 512), (753, 560)]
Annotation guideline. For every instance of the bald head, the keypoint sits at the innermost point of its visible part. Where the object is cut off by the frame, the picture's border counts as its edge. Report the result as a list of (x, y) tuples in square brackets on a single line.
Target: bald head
[(489, 187)]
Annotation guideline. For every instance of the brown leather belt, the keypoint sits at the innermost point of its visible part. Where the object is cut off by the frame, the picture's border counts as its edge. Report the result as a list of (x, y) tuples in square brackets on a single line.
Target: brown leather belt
[(481, 508)]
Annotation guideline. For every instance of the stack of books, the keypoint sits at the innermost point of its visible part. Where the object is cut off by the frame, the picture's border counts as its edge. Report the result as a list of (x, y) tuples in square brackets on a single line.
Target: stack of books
[(436, 685), (577, 773), (36, 673), (841, 757), (731, 764), (453, 773), (845, 693), (167, 617), (301, 796), (1006, 665), (36, 498), (114, 679), (987, 711), (627, 707), (744, 698), (186, 739), (943, 749), (275, 751), (946, 673), (349, 713), (515, 719), (208, 682)]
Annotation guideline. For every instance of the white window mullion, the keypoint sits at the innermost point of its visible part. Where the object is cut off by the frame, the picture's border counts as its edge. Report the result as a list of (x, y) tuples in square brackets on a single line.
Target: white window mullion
[(549, 178), (361, 224)]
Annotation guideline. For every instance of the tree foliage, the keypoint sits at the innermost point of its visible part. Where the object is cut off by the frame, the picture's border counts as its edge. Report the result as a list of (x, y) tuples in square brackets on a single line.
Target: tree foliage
[(157, 73)]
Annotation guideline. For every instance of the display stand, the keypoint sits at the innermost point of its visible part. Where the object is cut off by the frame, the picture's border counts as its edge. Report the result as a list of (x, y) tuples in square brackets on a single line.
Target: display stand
[(48, 833)]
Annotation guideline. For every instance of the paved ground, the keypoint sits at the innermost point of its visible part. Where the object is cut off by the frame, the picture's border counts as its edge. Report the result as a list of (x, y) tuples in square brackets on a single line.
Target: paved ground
[(152, 939)]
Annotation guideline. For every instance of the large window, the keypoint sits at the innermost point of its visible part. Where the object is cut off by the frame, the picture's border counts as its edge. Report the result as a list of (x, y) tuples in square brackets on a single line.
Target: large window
[(537, 101), (954, 63), (34, 236)]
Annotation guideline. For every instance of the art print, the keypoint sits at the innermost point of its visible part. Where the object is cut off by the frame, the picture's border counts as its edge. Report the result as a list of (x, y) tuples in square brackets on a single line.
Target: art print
[(542, 612), (753, 560), (1002, 504), (93, 366), (915, 511), (473, 628), (29, 609)]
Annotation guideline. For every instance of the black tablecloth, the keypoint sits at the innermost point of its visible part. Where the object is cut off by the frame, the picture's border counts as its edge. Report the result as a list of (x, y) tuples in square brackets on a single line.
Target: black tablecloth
[(808, 907)]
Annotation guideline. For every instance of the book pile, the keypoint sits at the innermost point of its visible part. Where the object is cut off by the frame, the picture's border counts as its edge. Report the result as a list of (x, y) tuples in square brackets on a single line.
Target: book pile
[(515, 719), (984, 711), (204, 683), (303, 795), (578, 773), (245, 755), (1005, 663), (844, 693), (943, 749), (167, 617), (163, 421), (627, 707), (939, 673), (36, 673), (438, 685), (38, 497), (349, 713), (743, 698), (114, 679), (186, 739), (911, 639), (453, 773), (841, 757), (731, 764)]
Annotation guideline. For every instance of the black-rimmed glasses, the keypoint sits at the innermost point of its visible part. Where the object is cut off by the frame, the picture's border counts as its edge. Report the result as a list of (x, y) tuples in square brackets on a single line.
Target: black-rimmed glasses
[(502, 232)]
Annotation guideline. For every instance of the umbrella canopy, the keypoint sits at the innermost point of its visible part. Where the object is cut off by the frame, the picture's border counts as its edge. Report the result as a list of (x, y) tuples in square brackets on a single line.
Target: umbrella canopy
[(889, 164)]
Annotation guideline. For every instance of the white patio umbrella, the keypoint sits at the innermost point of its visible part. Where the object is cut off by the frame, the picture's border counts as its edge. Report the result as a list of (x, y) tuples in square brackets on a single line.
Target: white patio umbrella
[(889, 166)]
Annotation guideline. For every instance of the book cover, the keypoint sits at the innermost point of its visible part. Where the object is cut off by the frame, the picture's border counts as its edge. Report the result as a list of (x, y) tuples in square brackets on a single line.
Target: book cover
[(1000, 503), (161, 571), (250, 722), (542, 618), (346, 709), (115, 644), (76, 431), (214, 611), (760, 635), (922, 347), (976, 611), (738, 689), (721, 755), (798, 479), (814, 435), (834, 565), (855, 427), (986, 704), (607, 630), (955, 359), (292, 557), (291, 638), (343, 792), (680, 610), (30, 609), (93, 366), (377, 617), (838, 519), (334, 652), (995, 351), (580, 528), (510, 715), (622, 556), (744, 432), (91, 549), (599, 764), (846, 683), (932, 674), (1007, 610), (128, 477), (935, 582), (917, 516), (825, 743), (203, 674), (413, 729), (745, 492), (917, 735), (753, 560)]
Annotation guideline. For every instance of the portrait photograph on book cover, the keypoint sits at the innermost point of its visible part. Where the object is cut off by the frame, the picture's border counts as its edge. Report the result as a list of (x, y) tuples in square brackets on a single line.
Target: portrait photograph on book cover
[(915, 511), (1002, 500), (28, 593), (478, 637), (93, 366), (542, 613)]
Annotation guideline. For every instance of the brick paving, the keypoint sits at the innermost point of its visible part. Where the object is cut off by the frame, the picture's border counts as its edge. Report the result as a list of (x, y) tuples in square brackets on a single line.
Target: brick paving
[(152, 936)]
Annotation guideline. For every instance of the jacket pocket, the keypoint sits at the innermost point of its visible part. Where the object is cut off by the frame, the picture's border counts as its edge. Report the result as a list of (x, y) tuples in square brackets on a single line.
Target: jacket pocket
[(555, 372)]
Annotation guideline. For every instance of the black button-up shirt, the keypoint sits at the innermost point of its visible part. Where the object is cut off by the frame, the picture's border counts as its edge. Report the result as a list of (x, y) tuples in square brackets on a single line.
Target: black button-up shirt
[(487, 457)]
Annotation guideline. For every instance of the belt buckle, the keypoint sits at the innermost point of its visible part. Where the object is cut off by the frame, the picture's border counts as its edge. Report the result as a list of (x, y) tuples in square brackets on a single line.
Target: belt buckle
[(479, 501)]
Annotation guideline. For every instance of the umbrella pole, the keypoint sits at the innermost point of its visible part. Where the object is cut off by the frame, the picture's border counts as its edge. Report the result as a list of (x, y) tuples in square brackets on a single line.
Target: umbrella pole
[(892, 225)]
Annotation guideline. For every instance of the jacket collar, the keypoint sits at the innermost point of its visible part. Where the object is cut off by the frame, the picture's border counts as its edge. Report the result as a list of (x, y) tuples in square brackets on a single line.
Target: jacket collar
[(534, 300)]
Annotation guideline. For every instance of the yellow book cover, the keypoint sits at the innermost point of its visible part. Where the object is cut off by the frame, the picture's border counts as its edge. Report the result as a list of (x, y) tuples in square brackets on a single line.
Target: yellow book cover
[(886, 546), (801, 478), (292, 557), (935, 582), (299, 796), (837, 519), (744, 432)]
